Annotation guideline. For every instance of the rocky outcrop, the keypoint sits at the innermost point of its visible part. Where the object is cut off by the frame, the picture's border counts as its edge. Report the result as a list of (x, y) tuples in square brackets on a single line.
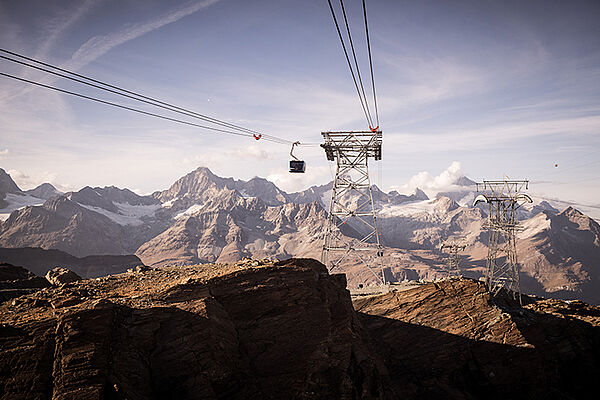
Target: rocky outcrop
[(17, 281), (451, 340), (250, 330), (59, 276), (273, 330)]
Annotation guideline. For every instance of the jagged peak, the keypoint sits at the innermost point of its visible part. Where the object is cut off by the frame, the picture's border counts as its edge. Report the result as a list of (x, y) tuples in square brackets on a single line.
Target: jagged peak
[(465, 181), (7, 184), (572, 212)]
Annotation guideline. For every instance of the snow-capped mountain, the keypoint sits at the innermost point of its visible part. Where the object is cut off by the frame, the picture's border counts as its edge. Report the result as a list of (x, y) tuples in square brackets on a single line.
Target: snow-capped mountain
[(205, 218), (13, 198)]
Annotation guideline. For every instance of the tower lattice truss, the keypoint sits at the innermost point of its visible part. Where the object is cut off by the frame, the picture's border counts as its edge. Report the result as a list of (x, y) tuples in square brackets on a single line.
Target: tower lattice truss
[(503, 198), (452, 265), (351, 234)]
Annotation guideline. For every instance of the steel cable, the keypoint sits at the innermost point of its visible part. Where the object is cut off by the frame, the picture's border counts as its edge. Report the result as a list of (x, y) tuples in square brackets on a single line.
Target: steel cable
[(138, 97), (337, 26), (370, 62)]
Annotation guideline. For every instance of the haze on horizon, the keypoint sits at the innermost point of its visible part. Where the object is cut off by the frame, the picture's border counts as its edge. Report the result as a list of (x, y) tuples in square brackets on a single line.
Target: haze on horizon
[(488, 89)]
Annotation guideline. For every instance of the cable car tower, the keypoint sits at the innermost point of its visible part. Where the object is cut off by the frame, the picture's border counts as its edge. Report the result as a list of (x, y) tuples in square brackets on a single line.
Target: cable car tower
[(351, 229), (452, 265), (504, 198)]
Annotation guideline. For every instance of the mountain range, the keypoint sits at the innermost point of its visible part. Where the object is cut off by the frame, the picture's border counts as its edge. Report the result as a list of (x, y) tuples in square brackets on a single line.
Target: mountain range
[(204, 218)]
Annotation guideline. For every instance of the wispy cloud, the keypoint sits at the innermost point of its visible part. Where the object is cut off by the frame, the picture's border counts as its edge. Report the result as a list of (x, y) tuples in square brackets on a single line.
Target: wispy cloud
[(56, 27), (28, 181), (492, 135), (3, 153), (100, 45)]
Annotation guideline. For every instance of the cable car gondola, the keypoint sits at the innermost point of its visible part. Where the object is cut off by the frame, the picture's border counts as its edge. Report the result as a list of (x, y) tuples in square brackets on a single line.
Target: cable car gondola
[(296, 165)]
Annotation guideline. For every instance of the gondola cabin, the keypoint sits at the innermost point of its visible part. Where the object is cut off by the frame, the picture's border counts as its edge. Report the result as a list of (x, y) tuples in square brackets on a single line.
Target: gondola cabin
[(297, 166)]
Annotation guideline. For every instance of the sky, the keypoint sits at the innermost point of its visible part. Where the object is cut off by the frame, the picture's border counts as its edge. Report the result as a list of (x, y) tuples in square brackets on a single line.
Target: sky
[(488, 89)]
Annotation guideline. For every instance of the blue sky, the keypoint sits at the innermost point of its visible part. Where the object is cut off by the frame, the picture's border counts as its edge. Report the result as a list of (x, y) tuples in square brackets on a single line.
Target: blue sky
[(485, 88)]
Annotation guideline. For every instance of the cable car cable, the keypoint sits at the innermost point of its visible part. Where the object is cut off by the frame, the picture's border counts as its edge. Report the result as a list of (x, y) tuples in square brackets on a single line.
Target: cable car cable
[(111, 91), (141, 98), (370, 62), (126, 107), (364, 96), (337, 26)]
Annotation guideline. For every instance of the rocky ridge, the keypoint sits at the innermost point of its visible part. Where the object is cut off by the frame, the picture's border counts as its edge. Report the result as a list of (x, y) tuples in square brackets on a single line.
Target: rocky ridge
[(237, 331), (265, 329)]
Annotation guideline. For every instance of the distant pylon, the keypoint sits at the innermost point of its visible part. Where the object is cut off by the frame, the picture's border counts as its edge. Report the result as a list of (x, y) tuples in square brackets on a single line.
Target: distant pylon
[(453, 258), (351, 230), (503, 198)]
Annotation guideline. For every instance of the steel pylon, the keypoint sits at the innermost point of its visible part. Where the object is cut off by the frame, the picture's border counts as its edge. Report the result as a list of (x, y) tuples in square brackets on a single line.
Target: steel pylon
[(351, 229), (452, 265), (503, 198)]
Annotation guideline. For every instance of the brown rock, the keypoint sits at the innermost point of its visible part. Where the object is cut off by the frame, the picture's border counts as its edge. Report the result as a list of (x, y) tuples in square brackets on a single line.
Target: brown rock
[(451, 340), (266, 332), (58, 276)]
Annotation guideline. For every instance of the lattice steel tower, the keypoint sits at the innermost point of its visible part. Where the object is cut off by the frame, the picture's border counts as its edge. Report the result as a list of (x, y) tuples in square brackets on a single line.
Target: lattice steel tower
[(453, 258), (504, 198), (351, 229)]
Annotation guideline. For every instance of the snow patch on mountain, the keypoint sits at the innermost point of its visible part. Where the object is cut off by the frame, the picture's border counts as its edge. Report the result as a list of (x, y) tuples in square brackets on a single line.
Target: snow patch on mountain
[(409, 209), (190, 211), (128, 214), (169, 204), (533, 226), (17, 202)]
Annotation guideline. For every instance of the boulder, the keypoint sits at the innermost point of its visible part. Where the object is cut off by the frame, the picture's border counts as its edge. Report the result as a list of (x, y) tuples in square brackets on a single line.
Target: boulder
[(58, 276)]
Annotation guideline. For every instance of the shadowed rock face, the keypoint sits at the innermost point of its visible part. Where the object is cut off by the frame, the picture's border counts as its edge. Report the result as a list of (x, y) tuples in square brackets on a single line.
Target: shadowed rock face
[(17, 281), (287, 330), (269, 331), (450, 340)]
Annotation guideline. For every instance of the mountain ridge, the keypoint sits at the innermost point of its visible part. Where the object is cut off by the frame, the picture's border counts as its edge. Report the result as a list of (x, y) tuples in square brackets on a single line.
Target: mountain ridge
[(205, 218)]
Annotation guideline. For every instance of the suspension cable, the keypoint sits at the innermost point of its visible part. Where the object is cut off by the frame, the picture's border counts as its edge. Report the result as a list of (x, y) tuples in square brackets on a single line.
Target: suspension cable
[(370, 61), (337, 26), (136, 96), (364, 96), (129, 108)]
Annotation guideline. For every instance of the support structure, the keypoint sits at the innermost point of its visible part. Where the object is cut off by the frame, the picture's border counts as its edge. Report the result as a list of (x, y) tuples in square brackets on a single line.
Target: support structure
[(503, 198), (453, 258), (351, 230)]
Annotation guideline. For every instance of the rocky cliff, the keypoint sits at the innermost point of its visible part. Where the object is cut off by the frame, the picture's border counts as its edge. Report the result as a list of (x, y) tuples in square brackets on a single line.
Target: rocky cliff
[(451, 340), (253, 330), (265, 330)]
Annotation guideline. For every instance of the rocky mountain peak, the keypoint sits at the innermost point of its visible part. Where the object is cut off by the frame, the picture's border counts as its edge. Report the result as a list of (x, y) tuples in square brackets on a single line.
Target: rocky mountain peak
[(117, 195), (7, 185), (91, 197), (464, 181), (44, 191), (445, 204), (420, 195), (194, 184)]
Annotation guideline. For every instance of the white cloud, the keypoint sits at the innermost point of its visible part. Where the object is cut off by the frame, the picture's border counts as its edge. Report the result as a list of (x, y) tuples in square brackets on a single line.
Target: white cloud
[(3, 153), (444, 182), (252, 152), (26, 182), (286, 181)]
